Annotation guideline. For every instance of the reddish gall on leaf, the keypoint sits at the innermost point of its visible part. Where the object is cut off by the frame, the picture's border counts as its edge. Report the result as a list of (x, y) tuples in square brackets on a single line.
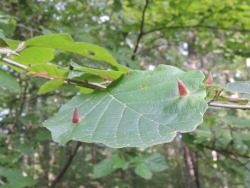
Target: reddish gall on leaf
[(75, 118), (209, 79), (182, 88)]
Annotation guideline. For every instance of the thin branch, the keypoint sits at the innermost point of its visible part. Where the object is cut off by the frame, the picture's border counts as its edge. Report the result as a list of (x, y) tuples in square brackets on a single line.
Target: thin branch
[(18, 65), (28, 28), (195, 26), (232, 106), (141, 30), (66, 166), (90, 85), (216, 96)]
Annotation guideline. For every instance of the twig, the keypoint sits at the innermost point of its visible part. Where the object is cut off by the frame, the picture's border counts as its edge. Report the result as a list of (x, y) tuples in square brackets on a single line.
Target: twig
[(216, 95), (195, 26), (8, 61), (141, 29), (66, 165), (232, 106), (28, 28), (90, 85)]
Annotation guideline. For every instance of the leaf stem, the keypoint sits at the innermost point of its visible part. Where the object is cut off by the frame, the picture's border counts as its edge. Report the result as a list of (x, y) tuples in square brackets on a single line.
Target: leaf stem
[(216, 95), (232, 106), (90, 85), (18, 65)]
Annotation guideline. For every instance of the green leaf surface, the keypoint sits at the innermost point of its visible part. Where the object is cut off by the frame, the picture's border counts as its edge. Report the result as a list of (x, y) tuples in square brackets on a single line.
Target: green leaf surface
[(107, 166), (34, 55), (5, 49), (66, 43), (144, 171), (8, 82), (48, 70), (102, 73), (140, 109), (103, 168), (237, 122), (49, 86), (156, 162), (241, 87)]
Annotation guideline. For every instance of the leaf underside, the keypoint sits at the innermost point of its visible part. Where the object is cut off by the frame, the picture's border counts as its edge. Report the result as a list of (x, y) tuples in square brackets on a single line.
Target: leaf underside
[(141, 109)]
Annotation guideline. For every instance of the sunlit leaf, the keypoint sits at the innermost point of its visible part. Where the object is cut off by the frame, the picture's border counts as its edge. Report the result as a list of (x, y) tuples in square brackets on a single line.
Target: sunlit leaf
[(51, 85), (140, 109), (66, 43)]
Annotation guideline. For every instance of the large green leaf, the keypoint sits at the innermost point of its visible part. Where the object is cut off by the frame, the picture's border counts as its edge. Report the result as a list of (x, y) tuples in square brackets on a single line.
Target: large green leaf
[(140, 109)]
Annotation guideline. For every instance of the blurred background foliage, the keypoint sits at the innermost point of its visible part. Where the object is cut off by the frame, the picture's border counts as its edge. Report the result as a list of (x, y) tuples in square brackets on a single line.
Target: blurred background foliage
[(208, 35)]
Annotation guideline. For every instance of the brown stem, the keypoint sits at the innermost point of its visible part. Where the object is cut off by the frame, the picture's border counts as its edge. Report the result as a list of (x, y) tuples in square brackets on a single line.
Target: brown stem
[(216, 95), (66, 165), (141, 29), (67, 81), (10, 62)]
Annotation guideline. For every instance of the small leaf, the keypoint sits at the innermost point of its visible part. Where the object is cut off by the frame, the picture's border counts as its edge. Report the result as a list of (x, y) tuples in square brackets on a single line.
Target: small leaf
[(144, 171), (8, 82), (103, 168), (156, 162), (182, 88), (49, 86)]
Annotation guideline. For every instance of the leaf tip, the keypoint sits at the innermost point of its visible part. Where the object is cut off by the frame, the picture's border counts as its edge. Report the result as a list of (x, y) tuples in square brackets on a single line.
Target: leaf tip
[(183, 91)]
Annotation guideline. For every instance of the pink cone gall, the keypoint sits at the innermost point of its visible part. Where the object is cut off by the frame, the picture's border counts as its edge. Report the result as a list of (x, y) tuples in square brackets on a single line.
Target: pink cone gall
[(182, 88), (209, 79), (75, 118)]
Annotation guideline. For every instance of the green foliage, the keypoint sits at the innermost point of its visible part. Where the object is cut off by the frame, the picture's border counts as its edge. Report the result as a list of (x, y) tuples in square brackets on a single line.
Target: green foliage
[(109, 165), (97, 74), (8, 82), (130, 113)]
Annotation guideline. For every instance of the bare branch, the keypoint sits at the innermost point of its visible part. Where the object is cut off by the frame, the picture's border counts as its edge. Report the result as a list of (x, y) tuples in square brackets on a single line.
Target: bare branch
[(18, 65), (141, 30), (67, 81), (66, 166)]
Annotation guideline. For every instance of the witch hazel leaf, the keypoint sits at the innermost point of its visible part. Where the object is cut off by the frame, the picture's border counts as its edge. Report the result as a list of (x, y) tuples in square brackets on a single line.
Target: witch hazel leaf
[(141, 110)]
